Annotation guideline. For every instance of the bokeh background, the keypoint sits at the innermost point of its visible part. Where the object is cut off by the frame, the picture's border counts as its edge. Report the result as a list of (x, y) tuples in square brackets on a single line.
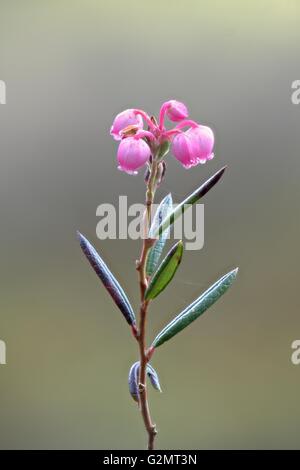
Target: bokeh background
[(70, 66)]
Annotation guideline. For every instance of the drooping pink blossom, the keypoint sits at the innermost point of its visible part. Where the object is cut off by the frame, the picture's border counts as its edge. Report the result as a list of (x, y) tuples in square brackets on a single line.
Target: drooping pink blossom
[(191, 142), (124, 119), (203, 138), (184, 149), (133, 153)]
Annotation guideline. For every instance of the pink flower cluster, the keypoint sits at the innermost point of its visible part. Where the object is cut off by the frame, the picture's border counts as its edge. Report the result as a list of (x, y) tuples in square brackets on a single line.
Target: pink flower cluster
[(190, 147)]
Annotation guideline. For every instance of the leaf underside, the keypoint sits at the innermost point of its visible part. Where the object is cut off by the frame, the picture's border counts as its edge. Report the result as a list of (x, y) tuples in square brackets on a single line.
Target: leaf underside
[(108, 280), (155, 252), (133, 379)]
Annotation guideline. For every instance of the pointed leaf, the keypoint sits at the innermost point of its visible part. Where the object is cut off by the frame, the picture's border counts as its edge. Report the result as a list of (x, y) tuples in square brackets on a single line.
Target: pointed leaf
[(162, 211), (152, 374), (184, 205), (165, 272), (109, 281), (196, 309)]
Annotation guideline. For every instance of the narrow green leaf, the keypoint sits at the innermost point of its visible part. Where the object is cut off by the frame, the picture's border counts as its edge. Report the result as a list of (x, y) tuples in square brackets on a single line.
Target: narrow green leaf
[(196, 309), (165, 272), (184, 205), (163, 210), (109, 281)]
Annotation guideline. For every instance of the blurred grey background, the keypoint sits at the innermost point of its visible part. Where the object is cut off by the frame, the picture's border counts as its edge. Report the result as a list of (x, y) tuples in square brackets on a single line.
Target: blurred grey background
[(69, 67)]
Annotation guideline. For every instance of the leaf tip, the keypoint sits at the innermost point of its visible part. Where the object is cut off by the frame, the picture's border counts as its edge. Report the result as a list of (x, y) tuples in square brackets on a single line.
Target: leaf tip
[(235, 271), (80, 238), (180, 248), (177, 247), (220, 172)]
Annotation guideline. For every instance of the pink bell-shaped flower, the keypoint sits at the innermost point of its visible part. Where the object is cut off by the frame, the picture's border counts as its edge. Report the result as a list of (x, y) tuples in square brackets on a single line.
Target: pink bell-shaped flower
[(124, 119), (132, 154), (184, 149), (203, 138)]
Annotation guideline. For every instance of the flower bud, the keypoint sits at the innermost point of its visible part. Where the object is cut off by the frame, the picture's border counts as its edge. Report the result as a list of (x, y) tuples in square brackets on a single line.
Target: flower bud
[(176, 111), (124, 119), (203, 138), (132, 154)]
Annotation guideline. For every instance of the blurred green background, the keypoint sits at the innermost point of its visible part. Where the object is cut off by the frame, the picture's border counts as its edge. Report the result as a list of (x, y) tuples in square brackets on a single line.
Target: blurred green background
[(69, 67)]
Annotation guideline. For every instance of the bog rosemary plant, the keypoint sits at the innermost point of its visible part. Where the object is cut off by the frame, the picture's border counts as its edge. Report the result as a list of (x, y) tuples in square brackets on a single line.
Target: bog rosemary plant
[(190, 143)]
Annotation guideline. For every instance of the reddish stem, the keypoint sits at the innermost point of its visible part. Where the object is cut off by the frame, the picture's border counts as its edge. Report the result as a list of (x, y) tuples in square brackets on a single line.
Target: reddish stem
[(146, 118), (141, 268), (162, 113)]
